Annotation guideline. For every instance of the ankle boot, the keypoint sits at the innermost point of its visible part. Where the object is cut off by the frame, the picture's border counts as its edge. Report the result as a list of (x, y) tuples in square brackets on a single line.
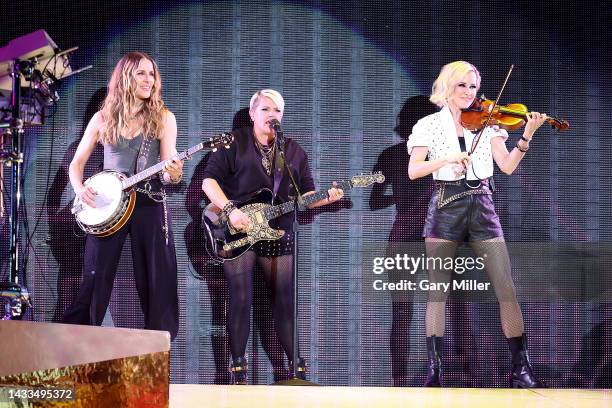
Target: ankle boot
[(301, 368), (239, 371), (434, 352), (522, 375)]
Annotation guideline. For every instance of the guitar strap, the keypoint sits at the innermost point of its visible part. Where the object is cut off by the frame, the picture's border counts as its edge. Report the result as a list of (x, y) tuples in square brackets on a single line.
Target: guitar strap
[(279, 166)]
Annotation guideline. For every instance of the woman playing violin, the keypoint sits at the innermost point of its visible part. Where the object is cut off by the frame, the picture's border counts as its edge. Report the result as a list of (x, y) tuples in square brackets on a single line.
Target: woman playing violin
[(462, 209)]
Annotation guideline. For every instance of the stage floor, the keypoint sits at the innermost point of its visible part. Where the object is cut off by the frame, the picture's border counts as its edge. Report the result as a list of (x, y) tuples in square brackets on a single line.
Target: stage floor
[(213, 396)]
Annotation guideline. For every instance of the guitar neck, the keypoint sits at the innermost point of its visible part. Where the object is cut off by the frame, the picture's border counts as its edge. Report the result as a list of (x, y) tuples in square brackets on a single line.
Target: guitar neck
[(145, 174), (282, 209)]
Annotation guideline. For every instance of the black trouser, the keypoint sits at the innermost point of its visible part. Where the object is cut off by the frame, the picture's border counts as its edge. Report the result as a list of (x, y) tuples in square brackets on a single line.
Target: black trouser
[(154, 264)]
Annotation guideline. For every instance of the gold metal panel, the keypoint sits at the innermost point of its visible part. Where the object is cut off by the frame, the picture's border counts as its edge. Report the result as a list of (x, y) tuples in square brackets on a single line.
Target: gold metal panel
[(138, 382), (35, 346)]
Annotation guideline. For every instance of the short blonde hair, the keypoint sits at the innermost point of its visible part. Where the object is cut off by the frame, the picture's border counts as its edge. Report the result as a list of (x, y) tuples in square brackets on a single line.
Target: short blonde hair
[(276, 97), (449, 76)]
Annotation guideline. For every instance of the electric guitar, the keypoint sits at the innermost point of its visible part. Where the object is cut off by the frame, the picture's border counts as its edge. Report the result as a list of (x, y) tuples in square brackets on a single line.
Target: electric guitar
[(224, 242)]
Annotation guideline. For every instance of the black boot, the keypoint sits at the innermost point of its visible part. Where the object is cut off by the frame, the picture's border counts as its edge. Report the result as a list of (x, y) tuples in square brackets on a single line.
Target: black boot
[(434, 352), (239, 371), (522, 375), (301, 368)]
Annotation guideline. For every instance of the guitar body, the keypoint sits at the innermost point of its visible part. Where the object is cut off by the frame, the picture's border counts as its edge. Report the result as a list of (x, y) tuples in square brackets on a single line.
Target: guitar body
[(113, 205), (224, 242)]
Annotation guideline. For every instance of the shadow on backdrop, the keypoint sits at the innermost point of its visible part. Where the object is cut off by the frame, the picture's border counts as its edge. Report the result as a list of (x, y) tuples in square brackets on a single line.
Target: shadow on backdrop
[(594, 364), (65, 239), (410, 198)]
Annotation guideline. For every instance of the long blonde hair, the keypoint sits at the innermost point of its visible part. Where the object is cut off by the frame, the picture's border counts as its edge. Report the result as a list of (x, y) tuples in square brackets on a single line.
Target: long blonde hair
[(449, 76), (121, 97)]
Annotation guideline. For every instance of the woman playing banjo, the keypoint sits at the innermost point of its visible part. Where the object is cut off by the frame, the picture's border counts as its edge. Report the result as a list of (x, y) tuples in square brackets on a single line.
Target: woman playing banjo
[(136, 130)]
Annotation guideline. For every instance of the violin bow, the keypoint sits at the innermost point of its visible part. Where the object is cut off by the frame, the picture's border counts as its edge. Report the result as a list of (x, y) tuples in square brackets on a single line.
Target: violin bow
[(477, 138)]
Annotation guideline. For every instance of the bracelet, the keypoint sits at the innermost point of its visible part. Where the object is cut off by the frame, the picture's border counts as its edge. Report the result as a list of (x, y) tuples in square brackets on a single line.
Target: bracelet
[(228, 208), (525, 139), (521, 150), (173, 181)]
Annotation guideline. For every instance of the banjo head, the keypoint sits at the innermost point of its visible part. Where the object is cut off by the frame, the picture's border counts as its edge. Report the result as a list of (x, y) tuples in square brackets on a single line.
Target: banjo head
[(108, 200)]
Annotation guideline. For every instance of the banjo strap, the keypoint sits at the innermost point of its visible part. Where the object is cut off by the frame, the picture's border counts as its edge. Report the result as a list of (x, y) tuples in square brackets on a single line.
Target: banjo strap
[(143, 154)]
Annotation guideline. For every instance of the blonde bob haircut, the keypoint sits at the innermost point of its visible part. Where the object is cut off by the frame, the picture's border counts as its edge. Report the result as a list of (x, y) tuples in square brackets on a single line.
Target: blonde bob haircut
[(276, 97), (449, 76)]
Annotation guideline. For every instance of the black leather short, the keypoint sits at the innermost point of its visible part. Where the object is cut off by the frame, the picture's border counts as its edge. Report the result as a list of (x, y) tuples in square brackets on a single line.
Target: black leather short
[(279, 247), (469, 218)]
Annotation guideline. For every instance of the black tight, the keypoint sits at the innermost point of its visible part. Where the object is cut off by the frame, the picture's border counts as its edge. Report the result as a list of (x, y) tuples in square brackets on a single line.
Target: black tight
[(497, 265), (278, 275)]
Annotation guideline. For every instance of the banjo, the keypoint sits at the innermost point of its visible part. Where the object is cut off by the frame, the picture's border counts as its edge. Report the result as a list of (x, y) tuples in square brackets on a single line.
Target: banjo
[(115, 198)]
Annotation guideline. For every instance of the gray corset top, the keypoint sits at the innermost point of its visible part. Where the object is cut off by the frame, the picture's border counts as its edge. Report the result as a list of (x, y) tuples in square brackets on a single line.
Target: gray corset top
[(122, 156)]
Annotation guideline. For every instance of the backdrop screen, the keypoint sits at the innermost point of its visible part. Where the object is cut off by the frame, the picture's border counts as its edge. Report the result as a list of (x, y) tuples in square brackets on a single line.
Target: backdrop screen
[(356, 76)]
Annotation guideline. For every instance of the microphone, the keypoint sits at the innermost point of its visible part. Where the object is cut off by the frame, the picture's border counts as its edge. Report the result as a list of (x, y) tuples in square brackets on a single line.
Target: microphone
[(280, 137), (275, 125)]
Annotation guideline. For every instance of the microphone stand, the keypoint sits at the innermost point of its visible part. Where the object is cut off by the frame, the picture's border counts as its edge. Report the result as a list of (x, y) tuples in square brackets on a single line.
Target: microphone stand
[(281, 163)]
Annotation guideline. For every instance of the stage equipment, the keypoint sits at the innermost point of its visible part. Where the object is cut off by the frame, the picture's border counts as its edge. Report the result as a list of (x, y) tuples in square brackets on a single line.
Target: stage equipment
[(299, 203), (31, 67)]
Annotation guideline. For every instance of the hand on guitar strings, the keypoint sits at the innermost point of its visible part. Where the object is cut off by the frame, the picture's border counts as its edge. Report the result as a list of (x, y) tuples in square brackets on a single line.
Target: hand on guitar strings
[(87, 195), (174, 168), (240, 220), (334, 193)]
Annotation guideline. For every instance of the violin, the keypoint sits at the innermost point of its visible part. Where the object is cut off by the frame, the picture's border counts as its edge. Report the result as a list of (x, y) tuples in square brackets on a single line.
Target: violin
[(509, 117)]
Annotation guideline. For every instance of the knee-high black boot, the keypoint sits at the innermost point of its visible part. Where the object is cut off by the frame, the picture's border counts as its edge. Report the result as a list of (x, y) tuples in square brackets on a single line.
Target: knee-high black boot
[(522, 375), (434, 352)]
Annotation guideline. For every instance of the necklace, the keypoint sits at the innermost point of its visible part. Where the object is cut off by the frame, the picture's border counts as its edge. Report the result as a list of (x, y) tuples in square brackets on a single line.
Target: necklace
[(267, 154)]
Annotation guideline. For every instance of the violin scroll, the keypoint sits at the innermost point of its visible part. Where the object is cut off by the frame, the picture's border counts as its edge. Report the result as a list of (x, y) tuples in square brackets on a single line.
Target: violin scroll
[(559, 124)]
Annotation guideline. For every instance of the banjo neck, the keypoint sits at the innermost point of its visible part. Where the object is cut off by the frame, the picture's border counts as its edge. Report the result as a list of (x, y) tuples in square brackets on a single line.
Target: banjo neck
[(146, 173)]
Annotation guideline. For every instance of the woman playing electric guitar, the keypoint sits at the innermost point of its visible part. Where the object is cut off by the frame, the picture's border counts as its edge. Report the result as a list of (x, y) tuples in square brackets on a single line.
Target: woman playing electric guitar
[(235, 174)]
